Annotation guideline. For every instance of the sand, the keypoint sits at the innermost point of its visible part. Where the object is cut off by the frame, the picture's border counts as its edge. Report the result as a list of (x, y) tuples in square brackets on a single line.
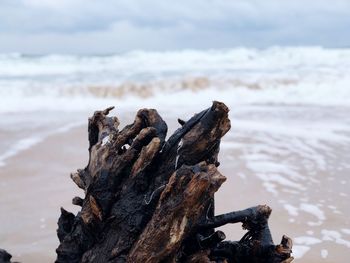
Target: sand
[(35, 183)]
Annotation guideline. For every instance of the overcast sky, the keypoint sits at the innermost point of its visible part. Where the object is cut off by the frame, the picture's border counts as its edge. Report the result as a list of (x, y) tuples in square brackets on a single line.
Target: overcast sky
[(107, 26)]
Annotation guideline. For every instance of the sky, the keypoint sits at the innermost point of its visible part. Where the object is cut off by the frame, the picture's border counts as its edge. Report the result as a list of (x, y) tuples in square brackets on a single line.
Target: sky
[(112, 26)]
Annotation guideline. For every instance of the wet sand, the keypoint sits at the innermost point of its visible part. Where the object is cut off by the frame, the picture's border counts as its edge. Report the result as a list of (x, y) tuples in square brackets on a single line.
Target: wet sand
[(35, 183)]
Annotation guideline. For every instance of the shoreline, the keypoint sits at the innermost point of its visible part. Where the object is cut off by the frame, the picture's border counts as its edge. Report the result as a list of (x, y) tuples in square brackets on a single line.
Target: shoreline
[(35, 184), (32, 200)]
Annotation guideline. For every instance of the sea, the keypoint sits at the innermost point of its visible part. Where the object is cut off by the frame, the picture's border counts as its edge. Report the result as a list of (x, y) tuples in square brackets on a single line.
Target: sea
[(289, 110)]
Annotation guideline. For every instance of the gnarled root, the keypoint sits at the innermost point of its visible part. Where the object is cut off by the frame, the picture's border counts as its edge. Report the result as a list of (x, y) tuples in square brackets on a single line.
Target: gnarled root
[(148, 199)]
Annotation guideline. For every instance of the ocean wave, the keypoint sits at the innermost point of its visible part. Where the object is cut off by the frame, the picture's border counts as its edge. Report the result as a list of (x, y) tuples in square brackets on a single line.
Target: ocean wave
[(26, 143), (295, 75), (172, 62)]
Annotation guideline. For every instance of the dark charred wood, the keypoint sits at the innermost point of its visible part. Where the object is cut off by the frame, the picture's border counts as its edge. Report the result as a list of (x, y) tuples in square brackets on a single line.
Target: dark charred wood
[(181, 122), (148, 199), (5, 257), (252, 218), (77, 201), (212, 240), (257, 244)]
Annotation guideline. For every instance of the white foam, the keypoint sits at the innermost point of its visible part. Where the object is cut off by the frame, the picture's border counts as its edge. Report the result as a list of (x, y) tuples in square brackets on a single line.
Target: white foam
[(346, 231), (314, 210), (19, 146), (239, 76), (26, 143), (278, 179), (324, 253), (138, 62), (308, 208), (335, 236), (292, 210), (306, 240), (270, 187), (318, 131), (299, 251)]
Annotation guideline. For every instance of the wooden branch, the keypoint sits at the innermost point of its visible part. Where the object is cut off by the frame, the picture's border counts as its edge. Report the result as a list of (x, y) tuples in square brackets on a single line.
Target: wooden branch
[(148, 199), (175, 214), (252, 218), (5, 257)]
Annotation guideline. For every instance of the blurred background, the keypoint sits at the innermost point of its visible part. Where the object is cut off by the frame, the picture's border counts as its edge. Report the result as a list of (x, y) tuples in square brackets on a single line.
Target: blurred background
[(282, 67)]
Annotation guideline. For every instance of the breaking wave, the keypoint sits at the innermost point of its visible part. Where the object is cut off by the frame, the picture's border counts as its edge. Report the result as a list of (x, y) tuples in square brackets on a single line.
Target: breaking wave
[(303, 75)]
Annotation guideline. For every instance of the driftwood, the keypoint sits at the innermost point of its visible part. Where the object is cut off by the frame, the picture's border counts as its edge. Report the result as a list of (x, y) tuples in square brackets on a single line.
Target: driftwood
[(5, 257), (148, 199)]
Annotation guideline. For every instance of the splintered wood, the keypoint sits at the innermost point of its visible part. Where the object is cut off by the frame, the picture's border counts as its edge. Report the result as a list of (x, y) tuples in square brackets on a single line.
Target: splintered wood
[(148, 199)]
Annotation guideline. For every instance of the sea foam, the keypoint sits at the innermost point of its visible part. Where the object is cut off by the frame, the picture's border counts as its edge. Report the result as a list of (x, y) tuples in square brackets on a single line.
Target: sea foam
[(305, 75)]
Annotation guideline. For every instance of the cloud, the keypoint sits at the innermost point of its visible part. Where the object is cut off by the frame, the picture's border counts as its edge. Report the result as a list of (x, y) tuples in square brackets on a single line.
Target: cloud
[(90, 26)]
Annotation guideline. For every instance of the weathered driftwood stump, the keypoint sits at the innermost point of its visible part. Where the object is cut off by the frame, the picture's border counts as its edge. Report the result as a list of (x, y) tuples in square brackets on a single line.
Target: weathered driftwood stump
[(148, 199), (5, 257)]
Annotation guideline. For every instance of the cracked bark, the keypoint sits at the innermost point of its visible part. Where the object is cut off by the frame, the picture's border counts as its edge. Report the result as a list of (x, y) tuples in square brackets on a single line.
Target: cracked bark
[(148, 199)]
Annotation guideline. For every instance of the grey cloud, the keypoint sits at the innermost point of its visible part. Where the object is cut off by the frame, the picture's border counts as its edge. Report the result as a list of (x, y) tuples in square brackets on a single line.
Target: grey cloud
[(71, 26)]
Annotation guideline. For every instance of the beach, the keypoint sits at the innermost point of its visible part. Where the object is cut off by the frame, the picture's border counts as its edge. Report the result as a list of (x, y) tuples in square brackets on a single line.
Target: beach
[(309, 199), (288, 146)]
